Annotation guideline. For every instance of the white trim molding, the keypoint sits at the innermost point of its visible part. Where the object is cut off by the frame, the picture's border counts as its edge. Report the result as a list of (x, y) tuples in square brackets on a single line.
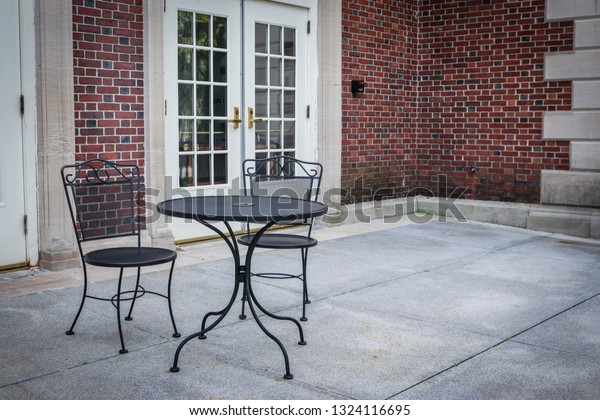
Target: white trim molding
[(56, 130), (28, 86)]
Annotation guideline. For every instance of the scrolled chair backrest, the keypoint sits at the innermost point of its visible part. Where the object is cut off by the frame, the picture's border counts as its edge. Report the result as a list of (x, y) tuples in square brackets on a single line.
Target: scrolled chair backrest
[(282, 176), (104, 199)]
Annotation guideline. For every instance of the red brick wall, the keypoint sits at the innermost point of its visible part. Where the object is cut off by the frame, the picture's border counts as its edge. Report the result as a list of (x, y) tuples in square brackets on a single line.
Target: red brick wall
[(109, 87), (379, 47), (450, 86), (482, 93), (473, 96)]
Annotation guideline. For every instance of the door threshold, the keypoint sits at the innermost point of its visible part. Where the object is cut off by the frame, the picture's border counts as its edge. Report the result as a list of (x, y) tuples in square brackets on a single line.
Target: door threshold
[(215, 237), (14, 267)]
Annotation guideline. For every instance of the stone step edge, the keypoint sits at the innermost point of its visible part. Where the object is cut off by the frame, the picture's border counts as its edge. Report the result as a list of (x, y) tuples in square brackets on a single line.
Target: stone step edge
[(581, 222)]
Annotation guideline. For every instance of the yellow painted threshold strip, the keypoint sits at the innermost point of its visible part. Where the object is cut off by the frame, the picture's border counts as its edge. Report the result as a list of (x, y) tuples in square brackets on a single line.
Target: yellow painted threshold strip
[(209, 238), (14, 267)]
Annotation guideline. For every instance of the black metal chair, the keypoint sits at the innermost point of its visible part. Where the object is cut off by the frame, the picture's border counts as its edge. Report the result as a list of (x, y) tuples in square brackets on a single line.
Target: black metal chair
[(104, 202), (284, 176)]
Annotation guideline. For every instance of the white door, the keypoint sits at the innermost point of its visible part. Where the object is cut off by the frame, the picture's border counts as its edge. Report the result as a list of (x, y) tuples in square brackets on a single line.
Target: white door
[(13, 251), (227, 63), (276, 80)]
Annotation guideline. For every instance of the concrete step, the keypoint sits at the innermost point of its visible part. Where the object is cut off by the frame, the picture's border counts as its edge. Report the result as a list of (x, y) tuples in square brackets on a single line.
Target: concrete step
[(571, 188), (585, 156), (586, 95), (576, 65), (582, 222), (575, 221), (587, 33), (571, 9), (571, 125)]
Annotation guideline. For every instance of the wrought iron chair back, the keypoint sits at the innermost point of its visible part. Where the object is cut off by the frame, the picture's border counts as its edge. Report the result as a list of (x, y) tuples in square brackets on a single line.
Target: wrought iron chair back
[(105, 201), (284, 176)]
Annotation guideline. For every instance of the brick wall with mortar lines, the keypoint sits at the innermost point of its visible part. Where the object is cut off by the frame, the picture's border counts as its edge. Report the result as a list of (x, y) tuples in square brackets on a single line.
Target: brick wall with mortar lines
[(481, 98), (109, 72), (449, 85), (467, 91), (108, 66), (379, 47)]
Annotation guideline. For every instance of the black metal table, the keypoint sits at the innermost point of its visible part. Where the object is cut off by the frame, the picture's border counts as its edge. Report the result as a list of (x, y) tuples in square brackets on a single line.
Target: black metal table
[(245, 209)]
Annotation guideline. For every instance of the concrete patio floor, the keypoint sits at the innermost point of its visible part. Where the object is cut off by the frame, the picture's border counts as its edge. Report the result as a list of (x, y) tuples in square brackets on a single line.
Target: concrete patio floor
[(402, 311)]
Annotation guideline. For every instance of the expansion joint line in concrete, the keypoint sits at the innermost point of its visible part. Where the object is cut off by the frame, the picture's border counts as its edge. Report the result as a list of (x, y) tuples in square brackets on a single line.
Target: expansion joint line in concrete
[(494, 346)]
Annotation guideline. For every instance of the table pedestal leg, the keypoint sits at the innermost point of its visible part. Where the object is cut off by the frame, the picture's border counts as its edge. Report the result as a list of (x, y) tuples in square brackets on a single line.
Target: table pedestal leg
[(251, 302), (242, 275), (251, 299), (203, 331), (240, 278)]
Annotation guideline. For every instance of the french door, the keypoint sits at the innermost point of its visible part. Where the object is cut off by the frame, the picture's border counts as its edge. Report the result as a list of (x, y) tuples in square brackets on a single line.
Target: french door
[(237, 87), (13, 249)]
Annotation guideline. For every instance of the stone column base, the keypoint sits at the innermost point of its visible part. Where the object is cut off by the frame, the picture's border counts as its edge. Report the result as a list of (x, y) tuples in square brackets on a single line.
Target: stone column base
[(162, 237), (59, 260)]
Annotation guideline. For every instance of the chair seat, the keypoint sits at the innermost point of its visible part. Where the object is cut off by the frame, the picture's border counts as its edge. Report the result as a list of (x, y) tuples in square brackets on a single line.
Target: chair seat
[(130, 256), (279, 241)]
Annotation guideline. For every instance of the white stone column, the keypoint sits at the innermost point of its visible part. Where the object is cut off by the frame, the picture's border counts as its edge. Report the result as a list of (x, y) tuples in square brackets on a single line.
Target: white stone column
[(56, 130), (154, 106), (330, 93), (581, 126)]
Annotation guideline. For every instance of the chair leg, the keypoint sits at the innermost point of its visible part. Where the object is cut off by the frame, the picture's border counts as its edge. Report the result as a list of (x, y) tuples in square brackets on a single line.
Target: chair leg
[(241, 273), (175, 333), (85, 285), (137, 285), (305, 299), (243, 314), (123, 350)]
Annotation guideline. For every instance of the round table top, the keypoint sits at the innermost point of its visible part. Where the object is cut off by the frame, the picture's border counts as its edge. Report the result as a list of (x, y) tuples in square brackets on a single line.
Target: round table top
[(259, 209)]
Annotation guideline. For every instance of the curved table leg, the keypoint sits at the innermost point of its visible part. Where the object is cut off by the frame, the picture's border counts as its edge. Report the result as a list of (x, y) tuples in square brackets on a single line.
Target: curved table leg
[(201, 334), (286, 360), (251, 299), (252, 296), (242, 274), (233, 247), (221, 313), (240, 278), (175, 368)]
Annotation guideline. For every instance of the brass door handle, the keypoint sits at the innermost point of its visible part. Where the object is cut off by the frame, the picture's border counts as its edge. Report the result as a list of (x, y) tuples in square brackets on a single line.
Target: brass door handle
[(236, 121), (251, 119)]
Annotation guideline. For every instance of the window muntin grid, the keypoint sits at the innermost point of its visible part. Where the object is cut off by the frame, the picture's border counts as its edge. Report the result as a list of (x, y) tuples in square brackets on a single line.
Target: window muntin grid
[(275, 90), (202, 56)]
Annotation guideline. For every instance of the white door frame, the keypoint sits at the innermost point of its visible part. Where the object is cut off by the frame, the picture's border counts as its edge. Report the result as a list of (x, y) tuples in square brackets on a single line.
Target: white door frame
[(233, 83), (313, 75), (306, 73), (169, 93), (28, 77), (310, 94), (27, 70), (328, 141)]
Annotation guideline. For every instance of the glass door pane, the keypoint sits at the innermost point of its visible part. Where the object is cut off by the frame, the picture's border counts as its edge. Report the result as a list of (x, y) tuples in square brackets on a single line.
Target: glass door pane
[(202, 70), (274, 90), (277, 70), (203, 88)]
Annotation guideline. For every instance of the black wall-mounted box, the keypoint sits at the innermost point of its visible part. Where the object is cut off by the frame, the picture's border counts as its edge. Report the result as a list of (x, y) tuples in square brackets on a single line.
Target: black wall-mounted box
[(358, 86)]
